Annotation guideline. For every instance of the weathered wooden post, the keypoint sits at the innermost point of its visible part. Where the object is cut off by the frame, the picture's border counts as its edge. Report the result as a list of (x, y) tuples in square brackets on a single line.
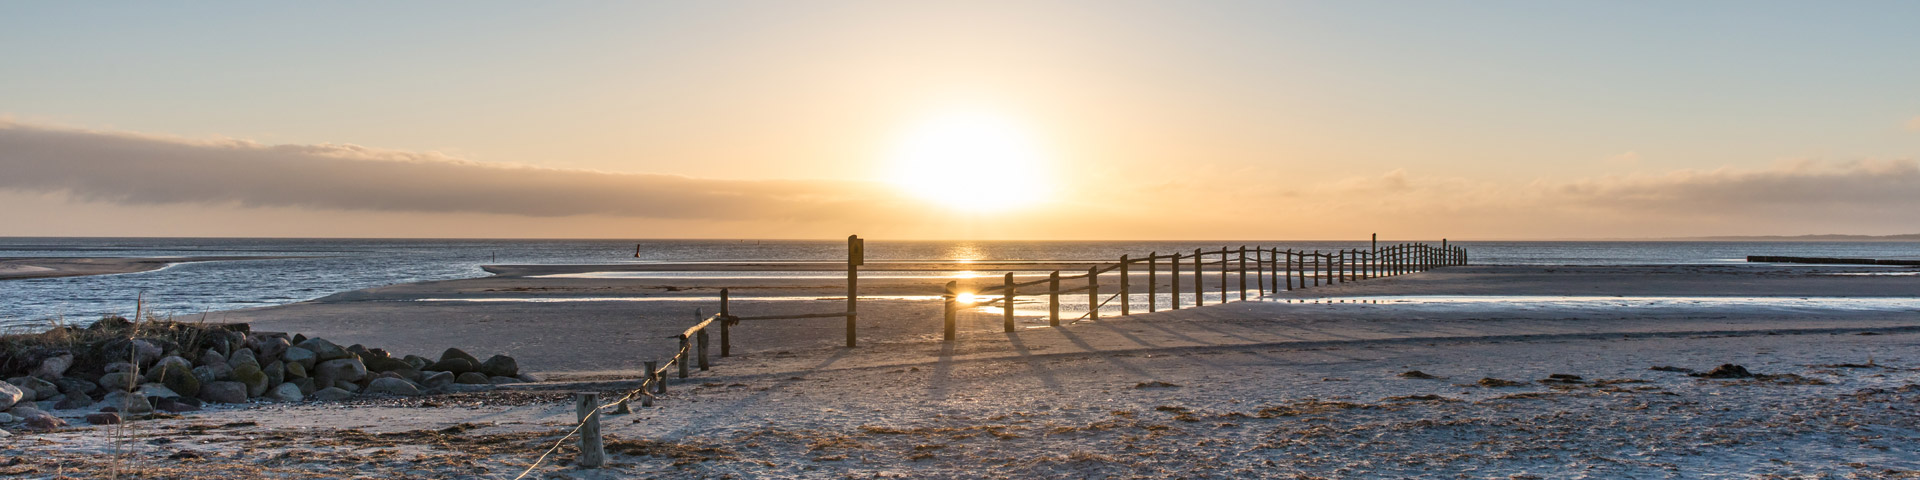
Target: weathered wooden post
[(701, 345), (1243, 273), (1260, 265), (726, 326), (1006, 304), (680, 357), (1093, 293), (1153, 282), (1224, 267), (1273, 256), (856, 256), (1053, 299), (586, 406), (651, 383), (1126, 289), (1175, 275), (1288, 269), (636, 250), (952, 298), (1199, 279)]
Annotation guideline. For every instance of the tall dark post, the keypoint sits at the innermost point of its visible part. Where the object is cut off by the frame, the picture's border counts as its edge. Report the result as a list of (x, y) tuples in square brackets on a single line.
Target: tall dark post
[(726, 328), (1288, 266), (1243, 273), (856, 256), (1153, 282), (1223, 274), (1053, 299), (1126, 289), (1260, 270), (1093, 293), (1174, 260), (1199, 279), (952, 300), (1006, 304)]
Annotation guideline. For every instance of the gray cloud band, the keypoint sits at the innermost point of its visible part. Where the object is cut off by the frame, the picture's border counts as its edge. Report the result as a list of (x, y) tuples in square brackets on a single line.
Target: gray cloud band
[(132, 169)]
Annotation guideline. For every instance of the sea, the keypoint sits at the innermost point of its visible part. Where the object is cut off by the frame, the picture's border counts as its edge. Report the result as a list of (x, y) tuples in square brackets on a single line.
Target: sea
[(326, 266)]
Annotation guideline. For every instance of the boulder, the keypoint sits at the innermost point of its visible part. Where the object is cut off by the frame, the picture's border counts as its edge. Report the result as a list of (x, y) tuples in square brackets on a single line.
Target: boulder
[(54, 367), (180, 380), (500, 366), (379, 364), (324, 350), (472, 378), (286, 392), (255, 379), (103, 418), (458, 353), (224, 392), (11, 394), (157, 390), (119, 381), (276, 372), (340, 370), (177, 405), (294, 370), (455, 365), (205, 375), (6, 418), (437, 380), (43, 422), (161, 366), (418, 362), (393, 386), (142, 351), (242, 356), (128, 402), (300, 356), (75, 400), (35, 387), (213, 357), (120, 367), (332, 394), (306, 385), (70, 385), (348, 386), (270, 347)]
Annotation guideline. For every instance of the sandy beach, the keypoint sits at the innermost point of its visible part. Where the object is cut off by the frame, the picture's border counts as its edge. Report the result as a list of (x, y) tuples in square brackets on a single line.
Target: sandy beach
[(1303, 384)]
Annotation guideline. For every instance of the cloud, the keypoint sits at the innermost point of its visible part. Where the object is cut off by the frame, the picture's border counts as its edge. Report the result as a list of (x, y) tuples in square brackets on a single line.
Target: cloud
[(1913, 124), (1628, 158), (135, 169)]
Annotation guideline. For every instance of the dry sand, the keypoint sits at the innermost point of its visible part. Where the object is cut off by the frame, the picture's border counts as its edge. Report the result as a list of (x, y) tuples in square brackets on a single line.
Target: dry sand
[(1253, 389)]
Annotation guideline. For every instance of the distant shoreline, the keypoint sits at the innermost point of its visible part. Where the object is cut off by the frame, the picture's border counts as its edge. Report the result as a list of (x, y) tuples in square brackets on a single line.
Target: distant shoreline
[(23, 268)]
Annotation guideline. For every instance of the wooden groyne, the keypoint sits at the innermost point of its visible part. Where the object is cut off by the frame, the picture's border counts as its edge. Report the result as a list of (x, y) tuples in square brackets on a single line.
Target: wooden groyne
[(1831, 261)]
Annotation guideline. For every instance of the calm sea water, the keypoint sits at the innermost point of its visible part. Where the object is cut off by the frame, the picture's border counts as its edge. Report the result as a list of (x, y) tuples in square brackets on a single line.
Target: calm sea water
[(335, 265)]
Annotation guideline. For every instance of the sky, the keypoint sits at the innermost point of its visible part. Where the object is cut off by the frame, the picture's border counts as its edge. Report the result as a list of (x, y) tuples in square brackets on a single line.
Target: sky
[(959, 120)]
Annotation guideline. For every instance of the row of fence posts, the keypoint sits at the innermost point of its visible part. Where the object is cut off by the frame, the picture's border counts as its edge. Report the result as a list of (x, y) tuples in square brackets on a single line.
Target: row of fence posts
[(1274, 270)]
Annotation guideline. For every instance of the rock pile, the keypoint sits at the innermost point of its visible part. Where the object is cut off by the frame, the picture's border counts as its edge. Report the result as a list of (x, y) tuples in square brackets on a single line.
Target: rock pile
[(135, 370)]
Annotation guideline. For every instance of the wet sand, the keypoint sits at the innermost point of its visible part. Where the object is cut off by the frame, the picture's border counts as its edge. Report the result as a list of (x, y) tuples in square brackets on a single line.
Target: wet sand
[(53, 267)]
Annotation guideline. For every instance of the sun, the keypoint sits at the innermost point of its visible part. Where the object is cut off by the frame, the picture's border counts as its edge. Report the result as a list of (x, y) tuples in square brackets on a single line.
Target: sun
[(971, 160)]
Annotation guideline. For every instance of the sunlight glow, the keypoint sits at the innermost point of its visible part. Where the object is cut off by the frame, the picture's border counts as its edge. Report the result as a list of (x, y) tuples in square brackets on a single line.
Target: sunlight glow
[(972, 161), (964, 298)]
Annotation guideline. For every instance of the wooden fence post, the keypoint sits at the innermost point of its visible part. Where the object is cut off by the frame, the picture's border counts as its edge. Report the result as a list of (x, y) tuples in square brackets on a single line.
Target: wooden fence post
[(1093, 293), (701, 345), (1224, 267), (649, 380), (1126, 289), (726, 329), (680, 356), (1243, 273), (856, 256), (659, 381), (1199, 279), (1260, 265), (952, 303), (1175, 275), (586, 406), (1288, 269), (1053, 299), (1153, 282), (1006, 304)]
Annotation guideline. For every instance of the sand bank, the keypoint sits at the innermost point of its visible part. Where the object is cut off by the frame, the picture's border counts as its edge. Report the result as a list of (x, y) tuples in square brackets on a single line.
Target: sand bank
[(51, 267)]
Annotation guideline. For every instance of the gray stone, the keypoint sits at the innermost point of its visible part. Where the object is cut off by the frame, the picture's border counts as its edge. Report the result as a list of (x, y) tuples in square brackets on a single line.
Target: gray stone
[(437, 380), (54, 367), (393, 386), (295, 370), (377, 364), (6, 418), (300, 356), (118, 367), (306, 385), (37, 388), (253, 377), (180, 380), (205, 374), (157, 390), (70, 384), (276, 372), (212, 357), (461, 354), (145, 352), (348, 386), (160, 366), (70, 401), (286, 392), (21, 412), (500, 366), (119, 381), (455, 365), (418, 362), (340, 370), (177, 405), (473, 378), (332, 394), (270, 347), (224, 392), (10, 394), (242, 356), (128, 402), (103, 418), (43, 422), (324, 350)]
